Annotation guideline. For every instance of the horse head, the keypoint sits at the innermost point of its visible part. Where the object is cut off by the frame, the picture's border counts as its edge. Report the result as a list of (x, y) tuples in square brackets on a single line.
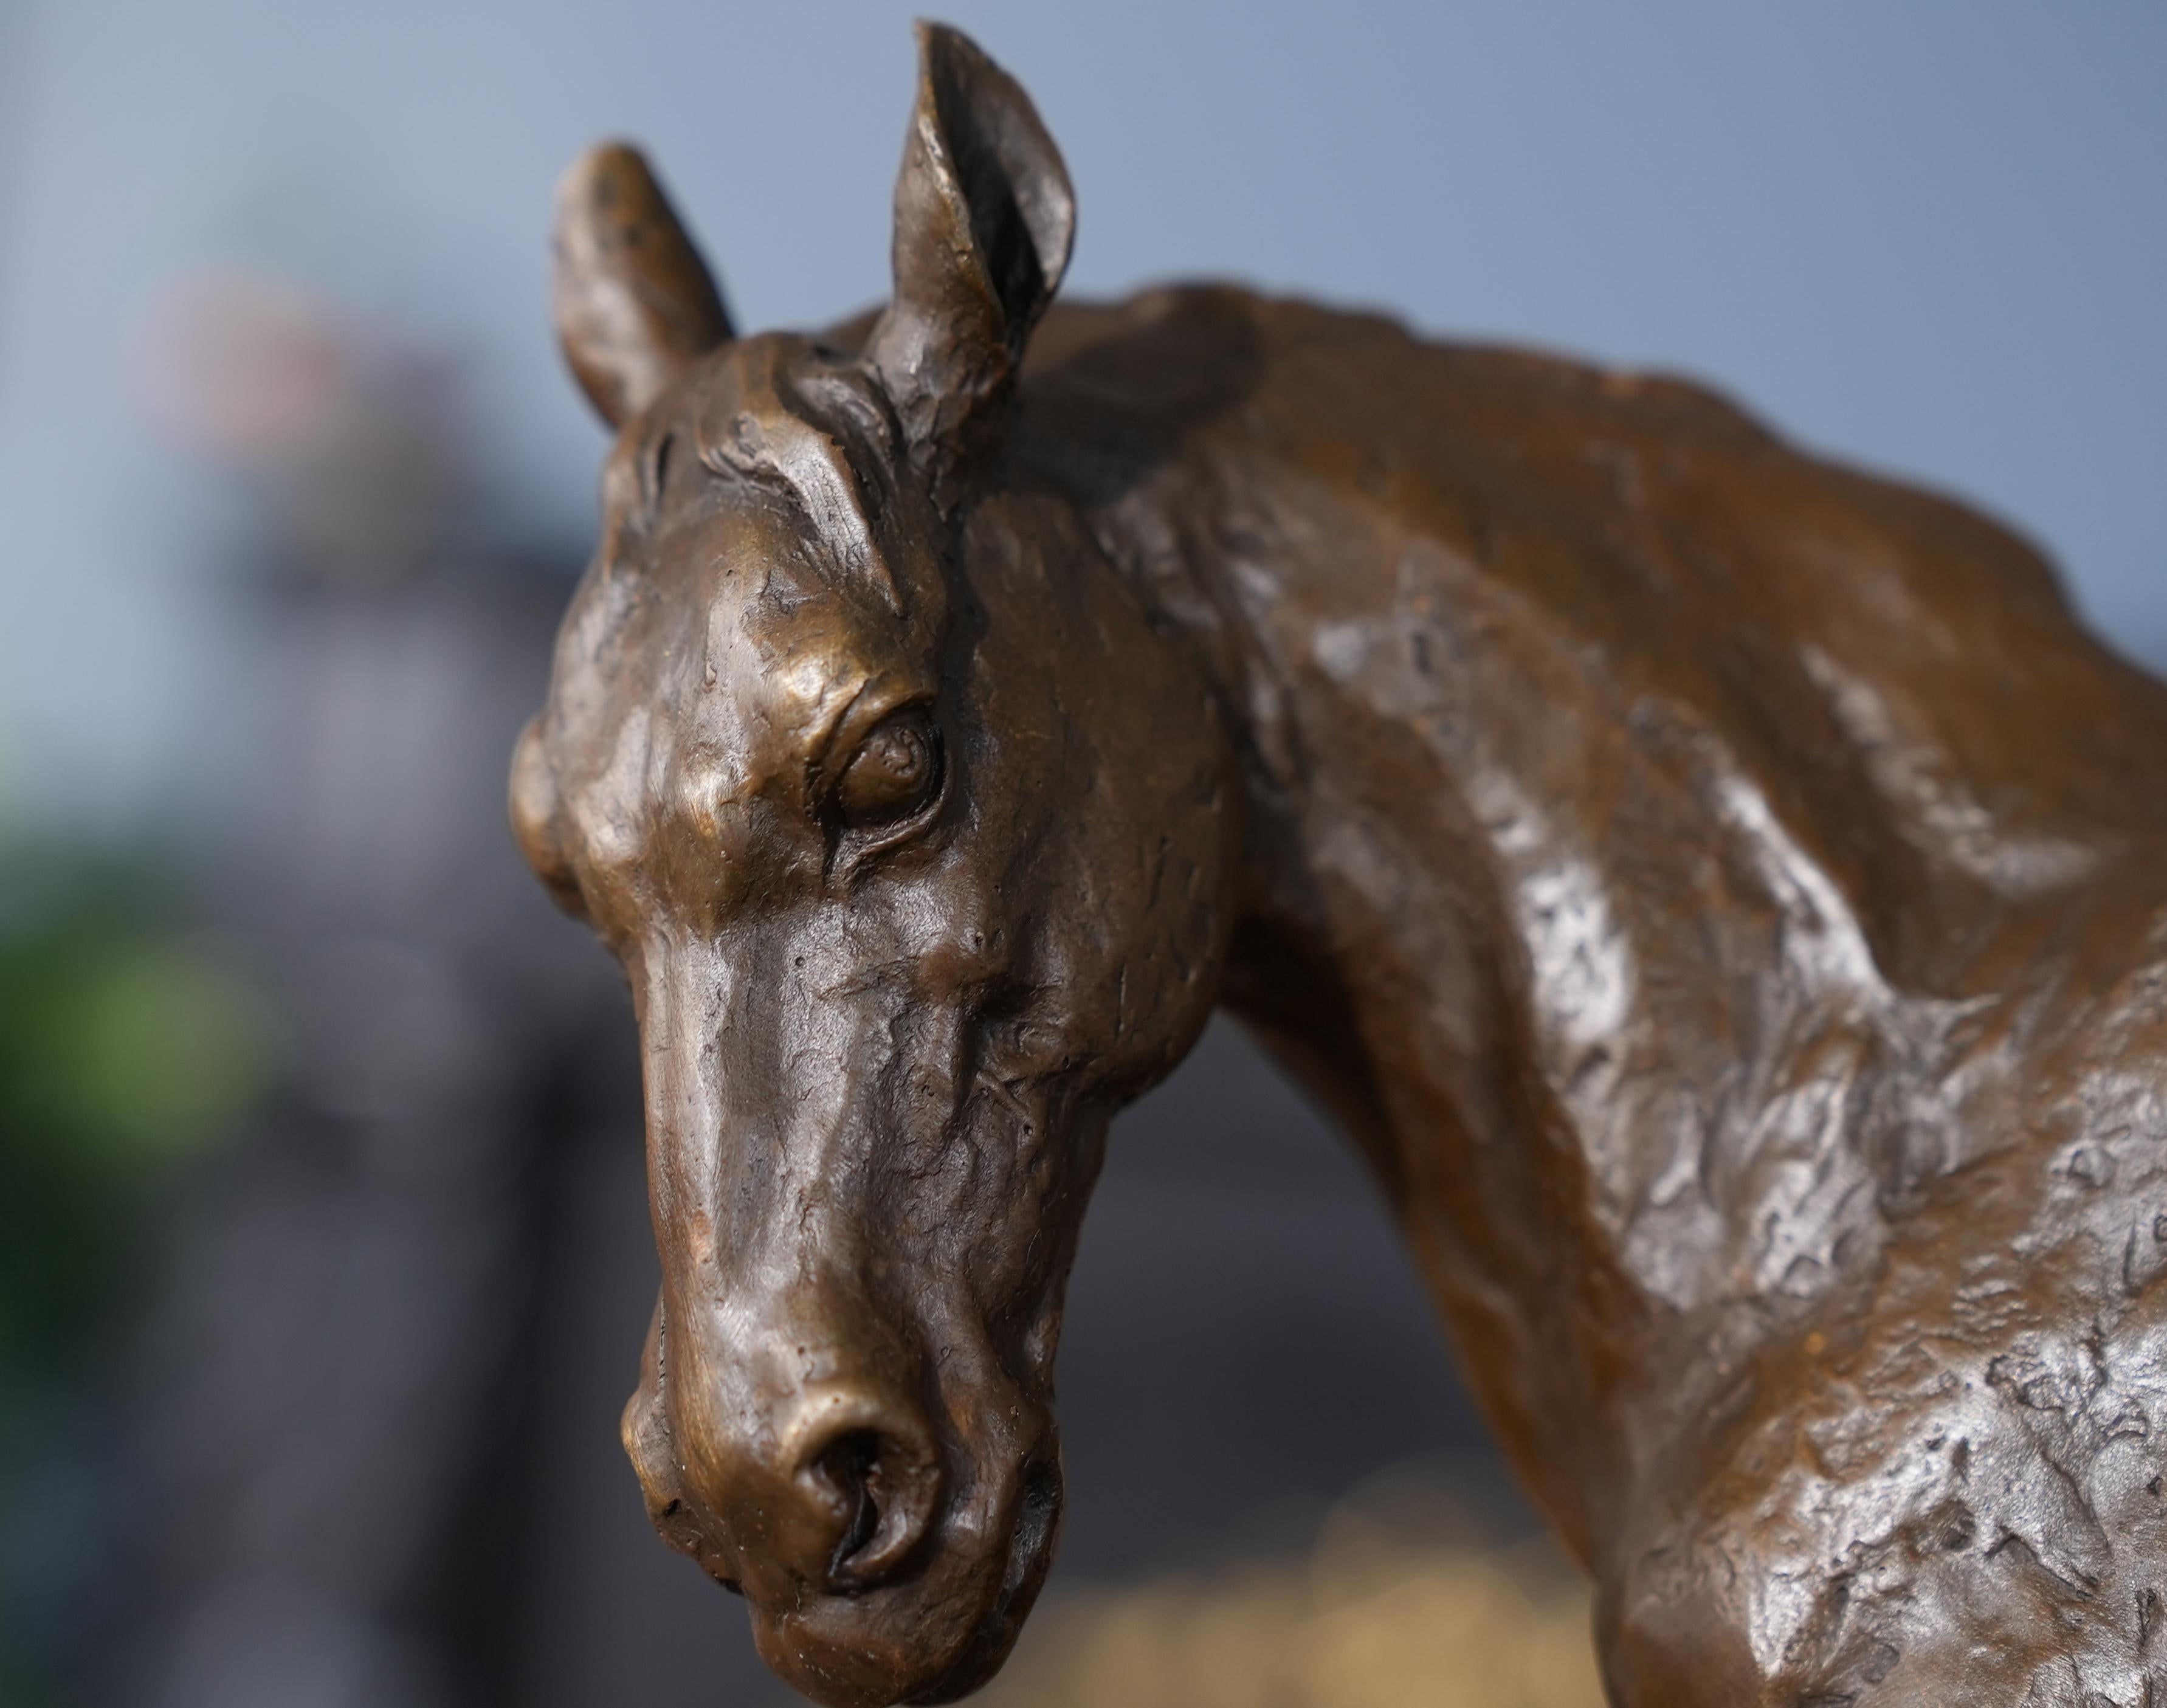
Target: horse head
[(914, 840)]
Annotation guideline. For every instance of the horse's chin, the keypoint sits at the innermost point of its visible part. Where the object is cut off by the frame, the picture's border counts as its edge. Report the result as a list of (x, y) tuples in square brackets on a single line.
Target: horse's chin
[(1030, 1554), (934, 1634)]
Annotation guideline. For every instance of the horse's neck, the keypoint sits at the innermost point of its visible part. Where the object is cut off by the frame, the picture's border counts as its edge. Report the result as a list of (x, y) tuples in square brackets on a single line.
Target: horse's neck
[(1648, 978), (1616, 1027)]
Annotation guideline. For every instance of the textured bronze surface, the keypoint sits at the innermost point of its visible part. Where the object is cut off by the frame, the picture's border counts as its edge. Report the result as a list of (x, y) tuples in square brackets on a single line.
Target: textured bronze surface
[(1724, 895)]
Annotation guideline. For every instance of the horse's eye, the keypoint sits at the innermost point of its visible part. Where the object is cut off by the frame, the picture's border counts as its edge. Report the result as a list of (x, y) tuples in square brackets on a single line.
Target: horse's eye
[(894, 772)]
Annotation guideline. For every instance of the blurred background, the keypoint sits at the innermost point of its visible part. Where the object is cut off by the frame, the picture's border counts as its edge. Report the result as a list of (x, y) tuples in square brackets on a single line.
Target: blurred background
[(323, 1256)]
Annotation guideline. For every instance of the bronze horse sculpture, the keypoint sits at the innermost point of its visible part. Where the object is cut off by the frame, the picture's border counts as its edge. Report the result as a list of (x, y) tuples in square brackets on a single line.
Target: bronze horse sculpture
[(1723, 894)]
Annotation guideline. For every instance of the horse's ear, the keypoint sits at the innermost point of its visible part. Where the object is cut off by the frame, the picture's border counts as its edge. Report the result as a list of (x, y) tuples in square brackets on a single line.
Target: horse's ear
[(984, 218), (633, 302)]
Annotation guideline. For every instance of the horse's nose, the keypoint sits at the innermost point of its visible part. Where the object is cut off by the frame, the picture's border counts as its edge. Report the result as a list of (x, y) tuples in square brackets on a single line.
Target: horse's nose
[(837, 1486), (865, 1463)]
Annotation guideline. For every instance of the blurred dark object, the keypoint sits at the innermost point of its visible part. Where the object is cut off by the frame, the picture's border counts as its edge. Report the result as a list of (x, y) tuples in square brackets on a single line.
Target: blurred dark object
[(329, 1437)]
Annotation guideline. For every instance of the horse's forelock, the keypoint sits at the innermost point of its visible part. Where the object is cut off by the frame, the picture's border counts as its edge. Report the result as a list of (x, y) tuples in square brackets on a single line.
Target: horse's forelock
[(819, 437)]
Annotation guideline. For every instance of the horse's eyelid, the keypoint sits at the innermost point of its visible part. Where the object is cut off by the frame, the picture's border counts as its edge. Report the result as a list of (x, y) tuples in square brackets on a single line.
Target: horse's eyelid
[(826, 764), (822, 764)]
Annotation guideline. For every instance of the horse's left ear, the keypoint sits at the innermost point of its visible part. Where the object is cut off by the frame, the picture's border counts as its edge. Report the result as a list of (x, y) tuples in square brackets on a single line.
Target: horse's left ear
[(984, 219)]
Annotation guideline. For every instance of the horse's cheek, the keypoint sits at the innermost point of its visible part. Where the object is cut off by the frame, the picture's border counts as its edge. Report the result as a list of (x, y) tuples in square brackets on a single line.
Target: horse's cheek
[(1106, 792), (1161, 850)]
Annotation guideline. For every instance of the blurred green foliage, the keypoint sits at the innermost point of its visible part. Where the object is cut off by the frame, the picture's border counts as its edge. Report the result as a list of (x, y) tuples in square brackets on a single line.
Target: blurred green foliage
[(126, 1052)]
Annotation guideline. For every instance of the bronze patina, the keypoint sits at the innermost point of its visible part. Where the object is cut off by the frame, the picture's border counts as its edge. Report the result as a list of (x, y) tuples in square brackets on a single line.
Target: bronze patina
[(1724, 895)]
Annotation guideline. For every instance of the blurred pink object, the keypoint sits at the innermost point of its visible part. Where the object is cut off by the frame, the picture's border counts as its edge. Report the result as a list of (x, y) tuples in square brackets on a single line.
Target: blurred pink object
[(244, 365)]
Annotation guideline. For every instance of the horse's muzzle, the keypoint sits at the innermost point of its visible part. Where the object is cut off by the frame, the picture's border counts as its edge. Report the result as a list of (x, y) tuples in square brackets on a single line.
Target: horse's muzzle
[(889, 1555)]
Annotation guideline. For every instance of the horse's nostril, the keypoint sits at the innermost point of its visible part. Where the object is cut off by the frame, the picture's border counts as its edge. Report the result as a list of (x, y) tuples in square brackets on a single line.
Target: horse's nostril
[(848, 1464), (886, 1482)]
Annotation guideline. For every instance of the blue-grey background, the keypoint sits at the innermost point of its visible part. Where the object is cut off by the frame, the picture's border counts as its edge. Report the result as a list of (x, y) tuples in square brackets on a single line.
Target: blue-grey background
[(1930, 237), (1927, 233)]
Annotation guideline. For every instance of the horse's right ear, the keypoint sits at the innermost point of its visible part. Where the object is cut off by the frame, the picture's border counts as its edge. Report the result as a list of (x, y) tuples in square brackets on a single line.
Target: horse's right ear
[(633, 302), (984, 219)]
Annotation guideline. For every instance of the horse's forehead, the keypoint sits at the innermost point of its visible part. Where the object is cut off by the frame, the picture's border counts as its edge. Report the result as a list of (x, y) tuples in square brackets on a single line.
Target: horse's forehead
[(748, 598), (735, 647), (677, 746)]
